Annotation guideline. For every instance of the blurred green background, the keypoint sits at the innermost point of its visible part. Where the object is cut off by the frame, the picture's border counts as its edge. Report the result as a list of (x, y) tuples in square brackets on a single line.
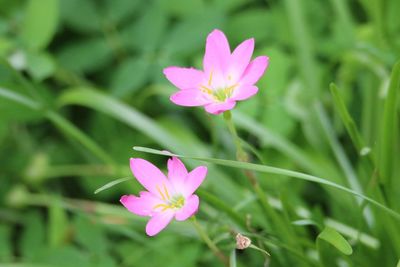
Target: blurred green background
[(81, 83)]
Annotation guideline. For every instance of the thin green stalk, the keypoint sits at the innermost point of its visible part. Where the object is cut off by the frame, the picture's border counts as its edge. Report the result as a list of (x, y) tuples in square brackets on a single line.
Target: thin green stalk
[(203, 234), (241, 155)]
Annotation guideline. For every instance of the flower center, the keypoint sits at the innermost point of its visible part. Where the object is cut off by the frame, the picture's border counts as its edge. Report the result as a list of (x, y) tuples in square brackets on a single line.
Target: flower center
[(175, 202), (218, 94)]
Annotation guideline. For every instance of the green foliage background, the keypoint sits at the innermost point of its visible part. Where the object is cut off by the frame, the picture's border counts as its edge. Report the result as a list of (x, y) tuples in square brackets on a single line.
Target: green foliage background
[(81, 83)]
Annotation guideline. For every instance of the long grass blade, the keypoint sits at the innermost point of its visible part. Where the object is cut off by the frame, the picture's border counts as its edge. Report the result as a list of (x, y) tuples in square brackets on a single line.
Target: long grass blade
[(274, 170), (388, 139)]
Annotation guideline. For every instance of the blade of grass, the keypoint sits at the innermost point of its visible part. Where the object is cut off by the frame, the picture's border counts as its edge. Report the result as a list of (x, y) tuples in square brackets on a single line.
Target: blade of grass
[(337, 240), (388, 139), (112, 183), (274, 170), (350, 126)]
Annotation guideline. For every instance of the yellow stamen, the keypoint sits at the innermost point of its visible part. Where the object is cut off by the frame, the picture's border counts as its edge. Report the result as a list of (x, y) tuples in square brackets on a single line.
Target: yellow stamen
[(159, 191), (229, 90), (175, 203), (205, 89), (210, 79), (166, 191)]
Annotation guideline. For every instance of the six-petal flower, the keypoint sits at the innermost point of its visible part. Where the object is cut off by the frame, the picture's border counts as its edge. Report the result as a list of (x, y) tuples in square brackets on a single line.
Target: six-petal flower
[(165, 198), (226, 77)]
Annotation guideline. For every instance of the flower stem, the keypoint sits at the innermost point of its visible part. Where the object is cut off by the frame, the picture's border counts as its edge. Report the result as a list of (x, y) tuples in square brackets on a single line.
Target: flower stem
[(241, 155), (203, 234)]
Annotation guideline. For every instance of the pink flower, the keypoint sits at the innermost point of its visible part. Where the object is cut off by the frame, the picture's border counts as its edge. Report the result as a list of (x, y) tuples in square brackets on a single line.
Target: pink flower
[(165, 198), (227, 77)]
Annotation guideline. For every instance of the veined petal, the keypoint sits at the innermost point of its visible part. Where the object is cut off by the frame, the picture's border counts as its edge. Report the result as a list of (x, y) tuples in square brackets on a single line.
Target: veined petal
[(244, 92), (158, 222), (177, 173), (218, 108), (217, 52), (194, 180), (240, 59), (190, 208), (150, 177), (189, 98), (255, 70), (184, 78), (142, 205)]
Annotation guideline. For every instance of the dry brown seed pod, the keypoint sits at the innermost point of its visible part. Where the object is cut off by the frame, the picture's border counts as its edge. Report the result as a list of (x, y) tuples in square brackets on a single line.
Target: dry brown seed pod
[(242, 242)]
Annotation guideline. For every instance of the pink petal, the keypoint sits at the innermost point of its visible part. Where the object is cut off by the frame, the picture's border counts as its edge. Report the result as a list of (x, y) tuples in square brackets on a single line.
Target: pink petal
[(255, 70), (240, 59), (189, 98), (150, 176), (244, 92), (142, 205), (184, 78), (158, 222), (218, 108), (177, 173), (190, 208), (217, 52), (194, 180)]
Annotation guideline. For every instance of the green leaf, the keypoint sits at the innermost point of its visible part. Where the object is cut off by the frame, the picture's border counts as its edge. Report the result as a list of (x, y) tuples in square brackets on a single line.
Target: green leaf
[(123, 83), (111, 184), (90, 234), (33, 236), (188, 36), (58, 223), (245, 24), (85, 56), (274, 170), (65, 256), (117, 11), (335, 239), (81, 16), (388, 138), (40, 23), (137, 34), (40, 65)]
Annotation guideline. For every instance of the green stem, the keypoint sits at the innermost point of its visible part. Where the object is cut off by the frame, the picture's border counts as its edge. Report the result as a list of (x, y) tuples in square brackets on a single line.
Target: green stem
[(203, 234), (241, 155), (260, 249)]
